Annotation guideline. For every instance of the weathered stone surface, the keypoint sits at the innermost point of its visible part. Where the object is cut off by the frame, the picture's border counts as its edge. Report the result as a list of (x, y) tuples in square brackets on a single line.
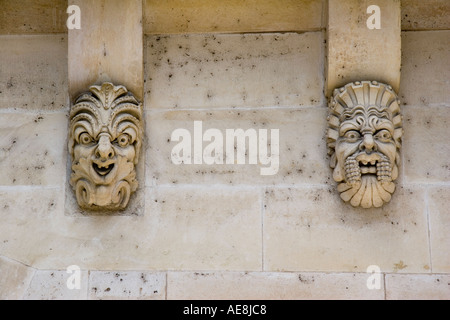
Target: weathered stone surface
[(29, 218), (52, 285), (32, 149), (439, 212), (33, 72), (428, 128), (206, 16), (15, 278), (189, 218), (357, 53), (269, 286), (107, 49), (33, 16), (425, 15), (182, 229), (312, 229), (134, 285), (425, 56), (417, 287), (302, 151), (203, 229), (229, 71), (36, 230)]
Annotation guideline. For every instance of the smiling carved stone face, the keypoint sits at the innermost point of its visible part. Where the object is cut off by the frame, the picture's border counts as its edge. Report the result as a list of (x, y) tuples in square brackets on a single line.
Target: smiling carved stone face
[(105, 139), (364, 139)]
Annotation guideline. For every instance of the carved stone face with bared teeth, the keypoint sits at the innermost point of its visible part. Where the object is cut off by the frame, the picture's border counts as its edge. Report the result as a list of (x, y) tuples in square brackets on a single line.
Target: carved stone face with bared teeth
[(365, 144), (105, 139), (364, 140)]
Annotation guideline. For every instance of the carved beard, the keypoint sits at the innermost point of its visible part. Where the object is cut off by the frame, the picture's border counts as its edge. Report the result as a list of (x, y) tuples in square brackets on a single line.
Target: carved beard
[(92, 195), (369, 180)]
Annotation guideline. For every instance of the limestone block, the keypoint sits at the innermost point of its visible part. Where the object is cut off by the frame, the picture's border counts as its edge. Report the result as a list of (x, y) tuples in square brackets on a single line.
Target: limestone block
[(302, 148), (15, 278), (357, 53), (36, 230), (33, 16), (29, 218), (311, 229), (423, 15), (429, 129), (52, 285), (208, 228), (33, 72), (249, 70), (107, 49), (206, 16), (134, 285), (32, 148), (417, 287), (425, 68), (182, 229), (269, 286), (439, 211)]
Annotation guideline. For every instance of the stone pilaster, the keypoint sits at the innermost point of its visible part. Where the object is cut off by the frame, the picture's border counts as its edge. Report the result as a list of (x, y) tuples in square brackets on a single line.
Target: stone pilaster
[(359, 49), (108, 47)]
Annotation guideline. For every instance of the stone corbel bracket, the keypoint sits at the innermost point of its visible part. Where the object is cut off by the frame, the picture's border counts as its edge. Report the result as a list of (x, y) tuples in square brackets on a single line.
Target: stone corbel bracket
[(105, 138), (364, 141)]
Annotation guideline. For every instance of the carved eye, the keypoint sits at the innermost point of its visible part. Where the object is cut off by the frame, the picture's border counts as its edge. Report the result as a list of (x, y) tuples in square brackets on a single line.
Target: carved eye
[(85, 138), (383, 135), (352, 135), (123, 140)]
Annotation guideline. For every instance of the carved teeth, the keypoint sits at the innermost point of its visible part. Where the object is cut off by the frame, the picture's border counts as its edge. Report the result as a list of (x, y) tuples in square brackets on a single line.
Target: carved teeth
[(368, 170), (103, 170)]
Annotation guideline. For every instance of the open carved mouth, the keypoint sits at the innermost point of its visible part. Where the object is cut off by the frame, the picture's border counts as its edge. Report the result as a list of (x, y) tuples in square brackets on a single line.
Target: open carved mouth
[(368, 167), (103, 169), (368, 163)]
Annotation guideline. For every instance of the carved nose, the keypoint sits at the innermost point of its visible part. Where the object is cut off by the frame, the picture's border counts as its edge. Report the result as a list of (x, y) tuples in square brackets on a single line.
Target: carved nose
[(368, 143), (104, 150)]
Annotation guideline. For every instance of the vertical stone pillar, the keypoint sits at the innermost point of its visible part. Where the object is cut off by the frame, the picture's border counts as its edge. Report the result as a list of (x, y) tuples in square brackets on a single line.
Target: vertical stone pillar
[(105, 66), (359, 52), (363, 76), (108, 47)]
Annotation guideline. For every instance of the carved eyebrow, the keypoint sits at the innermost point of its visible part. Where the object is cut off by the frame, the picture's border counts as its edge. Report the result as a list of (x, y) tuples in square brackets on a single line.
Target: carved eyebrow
[(122, 121), (348, 125), (385, 124), (83, 121)]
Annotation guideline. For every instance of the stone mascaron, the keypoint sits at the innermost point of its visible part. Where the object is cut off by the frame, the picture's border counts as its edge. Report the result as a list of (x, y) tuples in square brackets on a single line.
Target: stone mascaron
[(105, 137), (364, 140)]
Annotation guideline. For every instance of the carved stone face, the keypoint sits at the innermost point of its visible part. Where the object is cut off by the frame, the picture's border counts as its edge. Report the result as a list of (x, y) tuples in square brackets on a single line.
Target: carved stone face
[(104, 142), (364, 139)]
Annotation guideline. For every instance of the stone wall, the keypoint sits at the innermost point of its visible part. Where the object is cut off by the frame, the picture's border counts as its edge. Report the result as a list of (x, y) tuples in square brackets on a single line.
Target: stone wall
[(204, 231)]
